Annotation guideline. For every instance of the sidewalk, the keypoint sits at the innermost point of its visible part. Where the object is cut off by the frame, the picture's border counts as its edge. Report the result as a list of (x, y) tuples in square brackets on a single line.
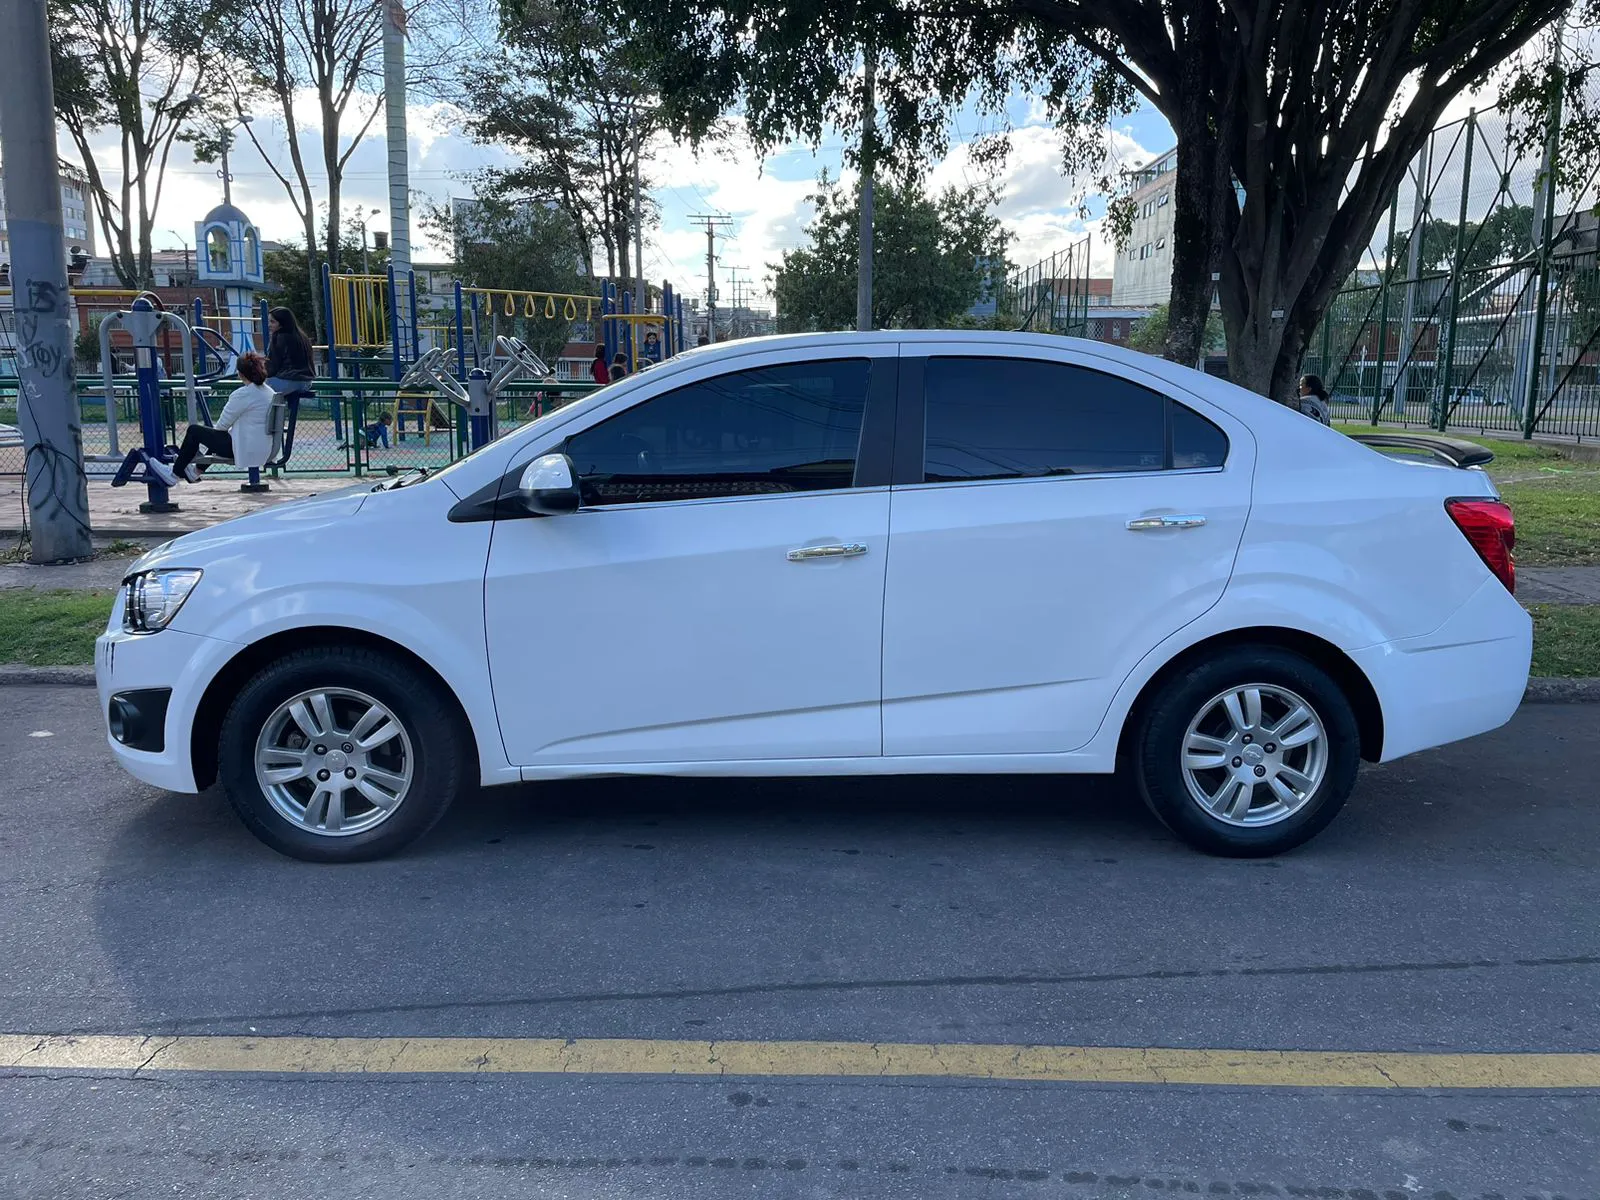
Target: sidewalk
[(114, 512), (1558, 585)]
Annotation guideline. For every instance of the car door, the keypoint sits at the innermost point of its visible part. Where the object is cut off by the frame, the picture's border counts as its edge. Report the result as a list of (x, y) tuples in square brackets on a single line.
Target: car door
[(719, 594), (1061, 518)]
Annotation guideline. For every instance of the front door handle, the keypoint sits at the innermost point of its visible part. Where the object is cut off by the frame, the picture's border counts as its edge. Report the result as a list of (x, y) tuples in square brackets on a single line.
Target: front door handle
[(1188, 522), (847, 550)]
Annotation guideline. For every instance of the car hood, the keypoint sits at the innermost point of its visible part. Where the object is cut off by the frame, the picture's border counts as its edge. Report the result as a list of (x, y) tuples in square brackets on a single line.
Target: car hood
[(290, 517)]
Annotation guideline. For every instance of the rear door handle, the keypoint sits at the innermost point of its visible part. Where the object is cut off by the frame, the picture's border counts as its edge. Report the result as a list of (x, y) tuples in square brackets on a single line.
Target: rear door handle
[(1140, 524), (846, 550)]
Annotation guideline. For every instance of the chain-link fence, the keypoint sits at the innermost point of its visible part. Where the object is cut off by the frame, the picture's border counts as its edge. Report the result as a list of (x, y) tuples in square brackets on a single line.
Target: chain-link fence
[(1477, 305), (1051, 296)]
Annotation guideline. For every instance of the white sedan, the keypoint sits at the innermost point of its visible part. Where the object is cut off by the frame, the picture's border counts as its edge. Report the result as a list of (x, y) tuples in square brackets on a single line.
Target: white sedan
[(892, 553)]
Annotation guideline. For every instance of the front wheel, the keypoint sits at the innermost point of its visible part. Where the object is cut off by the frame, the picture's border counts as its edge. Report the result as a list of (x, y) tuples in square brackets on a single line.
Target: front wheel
[(336, 754), (1249, 753)]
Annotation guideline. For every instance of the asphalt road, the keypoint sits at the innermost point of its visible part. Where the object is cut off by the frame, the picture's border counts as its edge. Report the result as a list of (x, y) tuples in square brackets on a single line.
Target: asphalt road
[(1454, 906)]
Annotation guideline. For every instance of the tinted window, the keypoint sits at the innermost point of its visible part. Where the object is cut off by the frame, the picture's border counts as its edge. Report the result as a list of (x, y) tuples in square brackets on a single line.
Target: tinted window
[(999, 418), (1196, 442), (792, 428)]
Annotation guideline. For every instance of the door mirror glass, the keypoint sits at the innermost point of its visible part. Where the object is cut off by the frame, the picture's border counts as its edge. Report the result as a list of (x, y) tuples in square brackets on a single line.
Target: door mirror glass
[(549, 486)]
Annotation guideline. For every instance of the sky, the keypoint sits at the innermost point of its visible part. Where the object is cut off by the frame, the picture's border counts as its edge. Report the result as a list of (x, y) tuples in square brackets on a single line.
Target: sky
[(767, 198)]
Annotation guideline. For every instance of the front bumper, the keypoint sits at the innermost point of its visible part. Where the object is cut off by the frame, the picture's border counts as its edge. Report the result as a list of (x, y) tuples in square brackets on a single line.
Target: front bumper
[(1465, 678), (182, 663)]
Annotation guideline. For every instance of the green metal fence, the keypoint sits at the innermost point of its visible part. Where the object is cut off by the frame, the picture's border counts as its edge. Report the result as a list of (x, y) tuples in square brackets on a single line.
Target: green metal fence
[(330, 436), (1477, 305), (1051, 296)]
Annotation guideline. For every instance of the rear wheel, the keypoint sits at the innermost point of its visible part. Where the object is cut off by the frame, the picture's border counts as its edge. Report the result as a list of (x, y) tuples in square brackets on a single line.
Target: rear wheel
[(1249, 753), (342, 754)]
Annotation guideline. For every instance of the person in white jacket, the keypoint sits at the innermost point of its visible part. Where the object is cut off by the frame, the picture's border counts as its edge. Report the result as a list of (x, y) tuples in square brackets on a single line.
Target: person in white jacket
[(240, 432)]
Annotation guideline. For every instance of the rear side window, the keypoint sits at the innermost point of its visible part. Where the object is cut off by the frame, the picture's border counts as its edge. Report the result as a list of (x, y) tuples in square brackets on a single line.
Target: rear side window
[(791, 428), (1196, 442), (1009, 418)]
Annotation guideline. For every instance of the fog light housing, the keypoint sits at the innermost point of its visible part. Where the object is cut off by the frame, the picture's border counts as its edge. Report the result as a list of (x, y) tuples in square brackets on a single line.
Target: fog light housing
[(138, 720)]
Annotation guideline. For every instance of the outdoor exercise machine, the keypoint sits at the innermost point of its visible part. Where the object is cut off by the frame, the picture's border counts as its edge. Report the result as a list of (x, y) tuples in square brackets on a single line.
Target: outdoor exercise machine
[(143, 323), (478, 395)]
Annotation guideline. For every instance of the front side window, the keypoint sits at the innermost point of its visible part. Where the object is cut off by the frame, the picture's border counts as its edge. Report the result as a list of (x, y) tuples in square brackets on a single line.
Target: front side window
[(790, 428), (1011, 418)]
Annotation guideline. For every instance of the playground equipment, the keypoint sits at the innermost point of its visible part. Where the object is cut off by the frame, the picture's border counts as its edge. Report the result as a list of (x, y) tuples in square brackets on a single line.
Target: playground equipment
[(143, 323), (477, 397)]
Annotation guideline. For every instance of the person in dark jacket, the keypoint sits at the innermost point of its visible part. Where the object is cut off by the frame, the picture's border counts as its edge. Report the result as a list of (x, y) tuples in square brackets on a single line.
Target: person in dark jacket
[(289, 365)]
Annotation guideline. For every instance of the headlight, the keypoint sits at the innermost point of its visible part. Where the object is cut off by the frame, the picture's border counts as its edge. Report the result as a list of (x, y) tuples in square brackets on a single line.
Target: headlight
[(152, 598)]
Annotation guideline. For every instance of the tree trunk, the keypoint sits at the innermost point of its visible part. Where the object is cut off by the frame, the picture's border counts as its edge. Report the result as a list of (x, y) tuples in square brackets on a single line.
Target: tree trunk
[(320, 322)]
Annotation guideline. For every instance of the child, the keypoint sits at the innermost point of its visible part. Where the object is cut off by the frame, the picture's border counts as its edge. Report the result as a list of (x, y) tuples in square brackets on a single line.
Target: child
[(619, 367), (378, 431)]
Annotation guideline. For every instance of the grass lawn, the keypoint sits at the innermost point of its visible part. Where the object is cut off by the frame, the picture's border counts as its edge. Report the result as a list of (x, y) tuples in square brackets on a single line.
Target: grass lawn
[(1557, 501), (1566, 639), (51, 629)]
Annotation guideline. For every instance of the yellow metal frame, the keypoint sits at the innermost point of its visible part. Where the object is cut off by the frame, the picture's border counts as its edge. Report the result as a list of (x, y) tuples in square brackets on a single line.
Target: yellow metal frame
[(359, 321)]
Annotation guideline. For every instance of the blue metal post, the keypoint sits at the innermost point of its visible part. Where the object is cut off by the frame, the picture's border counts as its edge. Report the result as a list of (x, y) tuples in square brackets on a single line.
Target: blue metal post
[(411, 296), (477, 359), (608, 329), (142, 324), (199, 312), (394, 327), (668, 342), (481, 410), (461, 337), (327, 314), (627, 332)]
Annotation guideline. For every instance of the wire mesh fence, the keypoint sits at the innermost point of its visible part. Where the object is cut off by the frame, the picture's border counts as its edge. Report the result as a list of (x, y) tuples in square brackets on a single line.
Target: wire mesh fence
[(1051, 296), (1477, 305)]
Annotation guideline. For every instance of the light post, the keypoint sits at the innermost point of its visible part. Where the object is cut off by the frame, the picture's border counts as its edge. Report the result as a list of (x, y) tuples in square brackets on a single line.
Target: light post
[(361, 219), (225, 137), (188, 276)]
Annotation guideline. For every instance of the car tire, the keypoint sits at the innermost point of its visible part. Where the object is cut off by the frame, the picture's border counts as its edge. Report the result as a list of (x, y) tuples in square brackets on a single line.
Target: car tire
[(351, 722), (1206, 738)]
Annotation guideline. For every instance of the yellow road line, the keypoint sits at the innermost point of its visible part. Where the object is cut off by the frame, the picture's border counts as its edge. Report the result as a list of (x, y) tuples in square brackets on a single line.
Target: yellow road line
[(629, 1056)]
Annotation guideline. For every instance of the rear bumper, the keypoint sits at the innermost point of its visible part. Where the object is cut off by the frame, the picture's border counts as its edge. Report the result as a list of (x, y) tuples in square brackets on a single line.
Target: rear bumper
[(1465, 678)]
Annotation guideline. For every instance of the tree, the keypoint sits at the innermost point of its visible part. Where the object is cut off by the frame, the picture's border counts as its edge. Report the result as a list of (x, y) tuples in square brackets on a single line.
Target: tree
[(1295, 121), (332, 49), (560, 92), (1150, 334), (524, 247), (300, 285), (932, 259), (143, 68)]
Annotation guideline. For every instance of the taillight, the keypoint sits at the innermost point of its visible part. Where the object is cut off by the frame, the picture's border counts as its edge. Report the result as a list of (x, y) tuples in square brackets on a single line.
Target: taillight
[(1492, 530)]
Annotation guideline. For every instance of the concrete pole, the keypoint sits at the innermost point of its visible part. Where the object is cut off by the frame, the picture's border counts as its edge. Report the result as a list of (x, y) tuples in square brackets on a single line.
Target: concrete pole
[(640, 292), (47, 398), (394, 101), (711, 281), (869, 116)]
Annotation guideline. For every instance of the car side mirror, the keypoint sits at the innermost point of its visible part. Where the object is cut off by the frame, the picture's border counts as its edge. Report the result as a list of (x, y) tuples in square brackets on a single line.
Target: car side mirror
[(549, 486)]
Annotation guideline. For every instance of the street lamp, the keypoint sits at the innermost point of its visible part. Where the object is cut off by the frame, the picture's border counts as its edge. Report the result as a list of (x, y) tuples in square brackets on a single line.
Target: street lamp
[(361, 219), (188, 278), (225, 136)]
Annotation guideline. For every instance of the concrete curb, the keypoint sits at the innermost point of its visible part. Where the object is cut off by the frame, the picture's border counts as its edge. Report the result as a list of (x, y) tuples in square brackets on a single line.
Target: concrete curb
[(1541, 690), (1550, 690), (13, 676)]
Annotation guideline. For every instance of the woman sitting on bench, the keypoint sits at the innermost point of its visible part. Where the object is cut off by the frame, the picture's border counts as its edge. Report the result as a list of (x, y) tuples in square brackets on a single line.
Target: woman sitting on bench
[(240, 432)]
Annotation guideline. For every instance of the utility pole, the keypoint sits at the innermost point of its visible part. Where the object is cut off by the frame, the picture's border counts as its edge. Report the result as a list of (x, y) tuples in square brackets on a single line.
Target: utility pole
[(640, 292), (394, 101), (47, 398), (735, 283), (712, 222), (869, 151)]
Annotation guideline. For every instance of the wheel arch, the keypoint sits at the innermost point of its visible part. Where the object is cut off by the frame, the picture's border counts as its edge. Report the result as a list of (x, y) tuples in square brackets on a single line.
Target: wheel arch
[(206, 731), (1352, 681)]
